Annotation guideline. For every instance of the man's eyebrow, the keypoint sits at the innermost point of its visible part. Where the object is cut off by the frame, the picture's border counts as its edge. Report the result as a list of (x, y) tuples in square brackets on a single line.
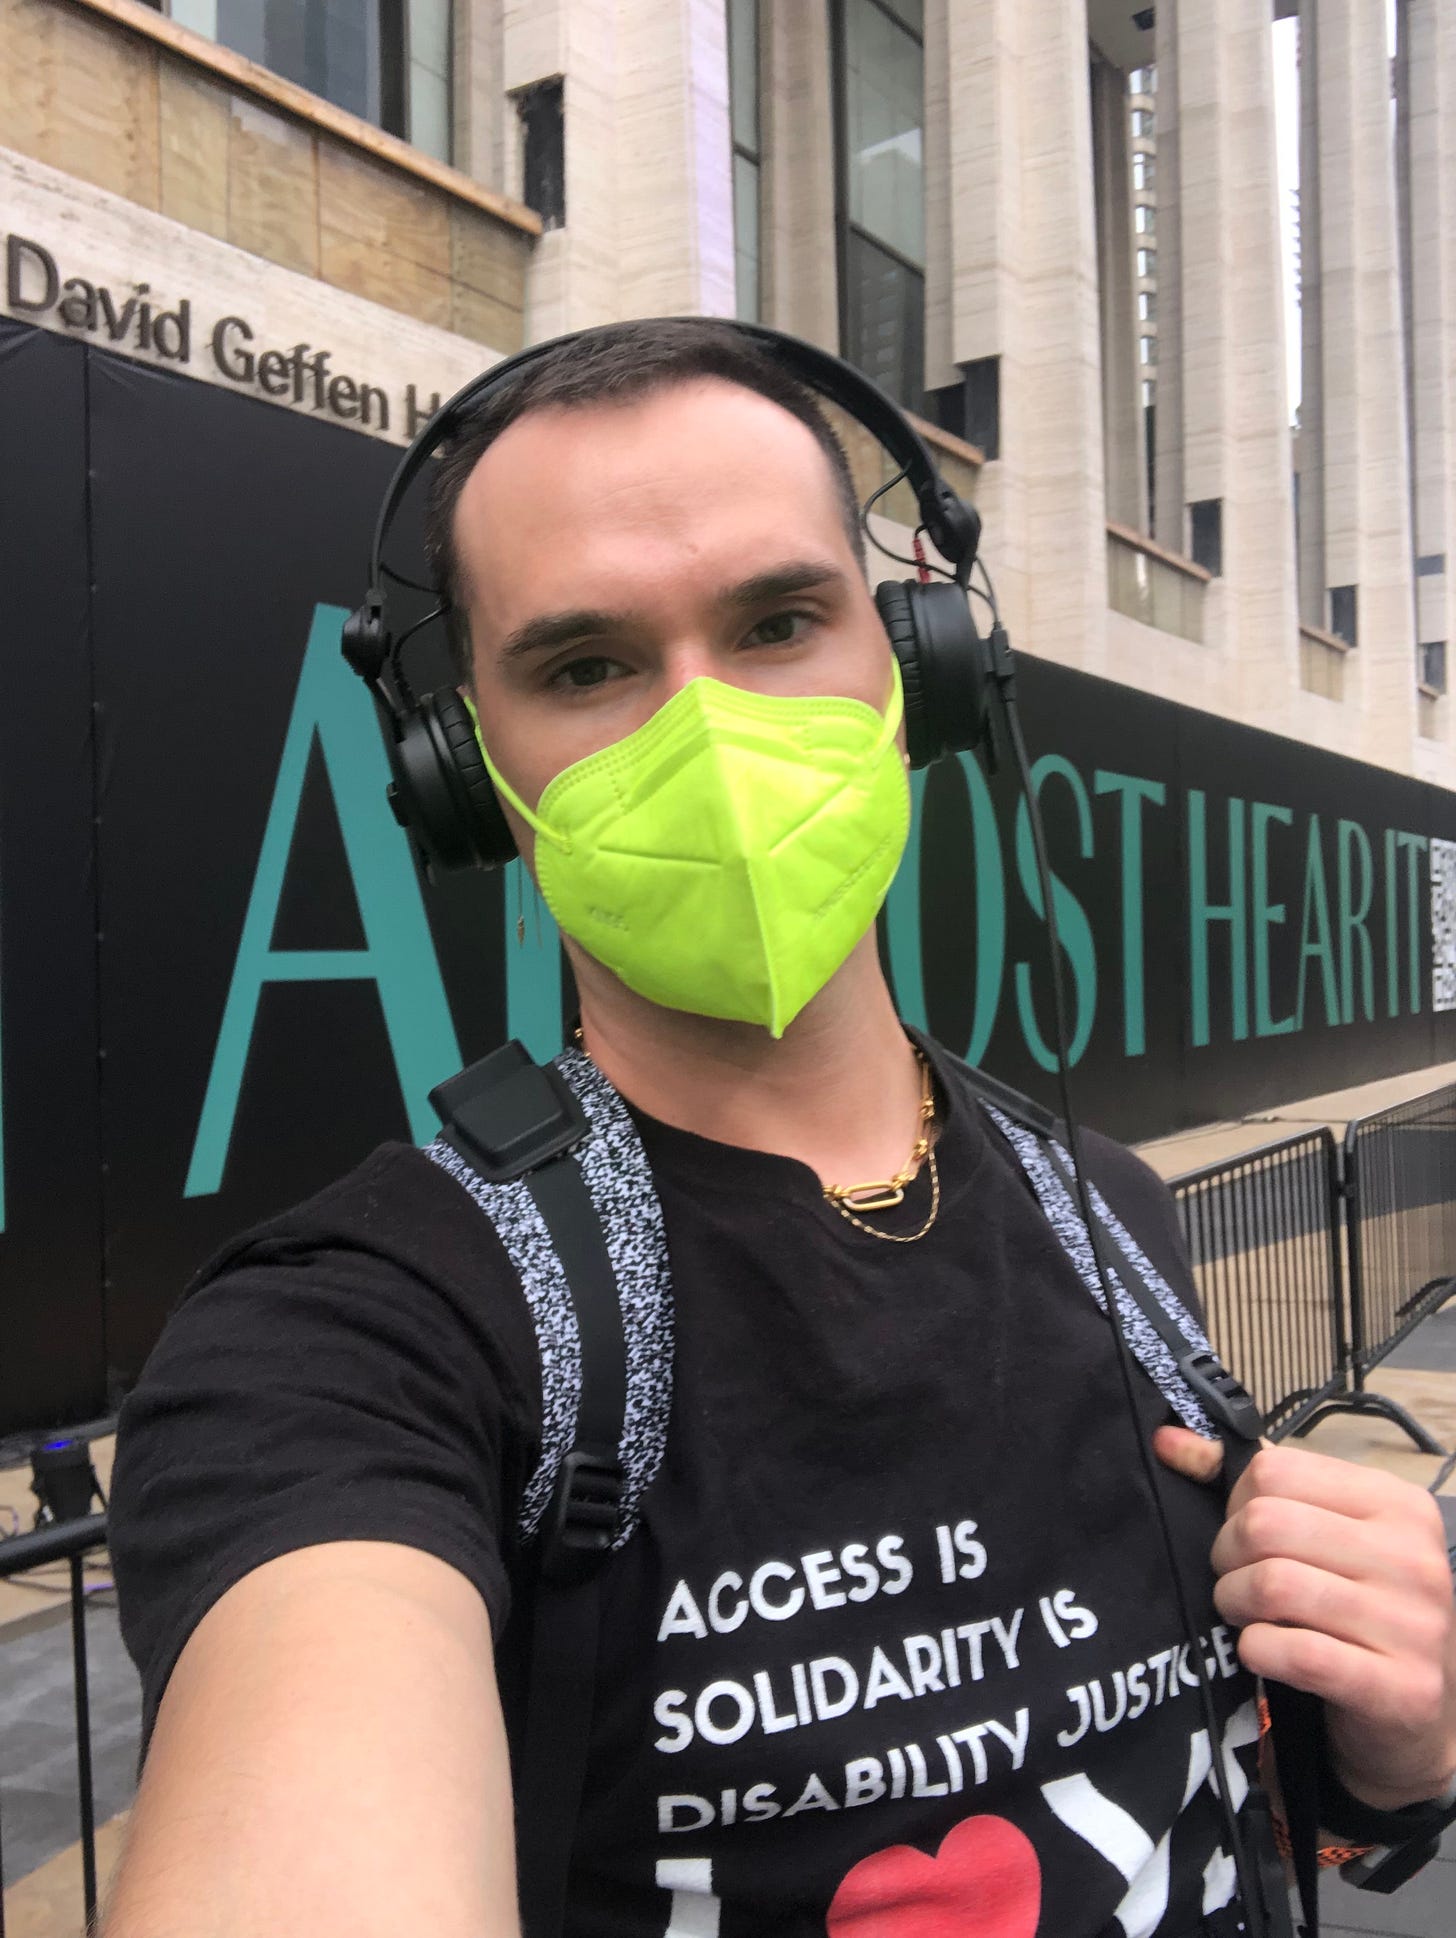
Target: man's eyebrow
[(781, 582), (560, 629)]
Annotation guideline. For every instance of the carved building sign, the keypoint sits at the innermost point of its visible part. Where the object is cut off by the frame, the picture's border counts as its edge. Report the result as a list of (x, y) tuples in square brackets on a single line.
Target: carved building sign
[(88, 264)]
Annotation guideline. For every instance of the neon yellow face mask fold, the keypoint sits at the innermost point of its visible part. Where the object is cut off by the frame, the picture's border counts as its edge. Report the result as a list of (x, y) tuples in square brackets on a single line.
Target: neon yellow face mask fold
[(727, 856)]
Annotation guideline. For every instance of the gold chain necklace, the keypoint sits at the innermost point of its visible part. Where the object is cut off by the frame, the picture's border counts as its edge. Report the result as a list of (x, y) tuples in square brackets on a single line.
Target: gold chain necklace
[(884, 1194)]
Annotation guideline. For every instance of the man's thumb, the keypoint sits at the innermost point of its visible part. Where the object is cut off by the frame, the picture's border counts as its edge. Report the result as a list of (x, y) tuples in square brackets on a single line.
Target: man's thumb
[(1189, 1453)]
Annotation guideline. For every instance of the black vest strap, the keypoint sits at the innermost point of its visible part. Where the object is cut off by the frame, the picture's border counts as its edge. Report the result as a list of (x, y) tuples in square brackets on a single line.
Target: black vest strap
[(511, 1119)]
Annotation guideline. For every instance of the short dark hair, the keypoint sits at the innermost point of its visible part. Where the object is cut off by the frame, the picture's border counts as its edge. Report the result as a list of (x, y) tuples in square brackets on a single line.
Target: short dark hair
[(618, 363)]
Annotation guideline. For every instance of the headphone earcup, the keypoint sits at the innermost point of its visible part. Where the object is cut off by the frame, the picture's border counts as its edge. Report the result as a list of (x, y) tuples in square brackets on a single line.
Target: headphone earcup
[(442, 792), (945, 667)]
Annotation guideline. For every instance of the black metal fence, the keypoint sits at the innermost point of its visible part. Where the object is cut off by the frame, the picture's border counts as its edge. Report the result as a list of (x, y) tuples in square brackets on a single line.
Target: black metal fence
[(1314, 1261), (65, 1541), (1263, 1236), (1401, 1166)]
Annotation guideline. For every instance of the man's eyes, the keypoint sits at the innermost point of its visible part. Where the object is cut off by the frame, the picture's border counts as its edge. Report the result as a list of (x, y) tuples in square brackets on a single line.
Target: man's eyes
[(598, 669)]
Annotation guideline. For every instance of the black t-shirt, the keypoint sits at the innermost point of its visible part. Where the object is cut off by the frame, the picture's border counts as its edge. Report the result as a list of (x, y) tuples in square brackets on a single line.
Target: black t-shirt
[(894, 1651)]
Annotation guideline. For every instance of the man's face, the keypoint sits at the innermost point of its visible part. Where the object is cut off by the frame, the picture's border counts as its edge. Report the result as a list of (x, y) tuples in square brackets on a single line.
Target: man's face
[(612, 554)]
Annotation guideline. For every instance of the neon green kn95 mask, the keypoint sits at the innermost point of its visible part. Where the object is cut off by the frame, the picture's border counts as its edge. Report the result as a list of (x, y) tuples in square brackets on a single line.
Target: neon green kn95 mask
[(727, 856)]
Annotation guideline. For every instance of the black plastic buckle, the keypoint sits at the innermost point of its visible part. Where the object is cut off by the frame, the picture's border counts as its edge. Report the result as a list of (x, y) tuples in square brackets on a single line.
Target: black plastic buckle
[(585, 1515), (1225, 1399), (512, 1115)]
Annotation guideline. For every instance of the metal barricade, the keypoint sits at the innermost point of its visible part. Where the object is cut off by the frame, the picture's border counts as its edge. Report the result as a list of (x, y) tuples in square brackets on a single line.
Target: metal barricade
[(66, 1541), (1262, 1231), (1400, 1182)]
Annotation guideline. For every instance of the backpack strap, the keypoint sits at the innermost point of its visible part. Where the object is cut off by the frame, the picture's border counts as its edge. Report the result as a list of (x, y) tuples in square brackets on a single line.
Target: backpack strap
[(551, 1156)]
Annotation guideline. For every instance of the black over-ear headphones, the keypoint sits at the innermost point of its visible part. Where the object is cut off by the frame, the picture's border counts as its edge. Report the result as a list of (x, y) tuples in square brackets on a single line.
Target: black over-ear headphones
[(441, 790)]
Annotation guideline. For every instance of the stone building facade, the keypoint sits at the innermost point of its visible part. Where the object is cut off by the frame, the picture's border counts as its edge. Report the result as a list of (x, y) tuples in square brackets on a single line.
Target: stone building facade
[(994, 206)]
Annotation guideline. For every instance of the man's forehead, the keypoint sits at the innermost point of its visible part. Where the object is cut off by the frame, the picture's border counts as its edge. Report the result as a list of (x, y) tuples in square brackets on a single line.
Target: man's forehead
[(706, 439)]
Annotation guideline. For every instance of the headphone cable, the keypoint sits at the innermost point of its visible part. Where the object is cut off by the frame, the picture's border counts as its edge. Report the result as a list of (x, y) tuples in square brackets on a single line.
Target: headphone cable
[(1005, 683)]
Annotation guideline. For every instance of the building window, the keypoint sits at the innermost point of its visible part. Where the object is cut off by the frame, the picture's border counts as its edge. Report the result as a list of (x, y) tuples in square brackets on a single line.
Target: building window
[(743, 109), (1147, 306), (1148, 349), (1144, 171), (1147, 262), (1142, 123), (880, 71), (388, 61), (1345, 613), (1143, 80), (1205, 532), (543, 133), (1143, 220), (1150, 393), (1433, 665)]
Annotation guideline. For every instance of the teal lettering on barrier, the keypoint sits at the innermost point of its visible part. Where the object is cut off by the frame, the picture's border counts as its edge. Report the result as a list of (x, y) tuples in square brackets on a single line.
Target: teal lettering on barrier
[(1413, 846), (1354, 923), (1134, 792), (1266, 915), (903, 926), (533, 967), (1392, 948), (399, 955), (1202, 914), (1318, 948), (1073, 928)]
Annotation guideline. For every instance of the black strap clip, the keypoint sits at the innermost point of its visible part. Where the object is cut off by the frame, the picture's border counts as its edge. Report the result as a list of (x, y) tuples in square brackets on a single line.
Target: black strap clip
[(1228, 1403), (585, 1515), (508, 1116)]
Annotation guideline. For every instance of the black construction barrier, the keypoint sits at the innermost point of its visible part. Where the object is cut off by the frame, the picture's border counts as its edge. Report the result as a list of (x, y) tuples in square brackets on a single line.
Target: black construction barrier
[(66, 1541), (1263, 1234)]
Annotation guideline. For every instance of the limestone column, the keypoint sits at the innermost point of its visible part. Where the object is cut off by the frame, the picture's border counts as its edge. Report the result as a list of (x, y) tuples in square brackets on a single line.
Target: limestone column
[(1122, 412), (1428, 115), (1224, 345), (1309, 444), (481, 111), (648, 159), (1024, 290), (800, 283), (1366, 471), (674, 159)]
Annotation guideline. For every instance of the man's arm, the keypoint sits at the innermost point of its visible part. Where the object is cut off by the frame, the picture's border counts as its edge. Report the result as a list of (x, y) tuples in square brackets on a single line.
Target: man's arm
[(329, 1761)]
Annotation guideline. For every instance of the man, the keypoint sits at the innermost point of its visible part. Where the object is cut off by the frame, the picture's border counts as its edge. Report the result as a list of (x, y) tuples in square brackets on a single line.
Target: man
[(894, 1648)]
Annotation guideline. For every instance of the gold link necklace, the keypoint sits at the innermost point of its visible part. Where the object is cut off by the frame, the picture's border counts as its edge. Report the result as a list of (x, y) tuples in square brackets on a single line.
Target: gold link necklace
[(881, 1194), (884, 1194)]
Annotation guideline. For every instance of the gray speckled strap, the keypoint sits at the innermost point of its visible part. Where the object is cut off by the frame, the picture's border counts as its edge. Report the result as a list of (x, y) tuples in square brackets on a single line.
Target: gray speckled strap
[(1065, 1219), (619, 1180)]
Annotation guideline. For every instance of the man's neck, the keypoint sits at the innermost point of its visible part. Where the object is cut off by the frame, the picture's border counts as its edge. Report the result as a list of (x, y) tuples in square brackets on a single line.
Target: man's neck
[(840, 1090)]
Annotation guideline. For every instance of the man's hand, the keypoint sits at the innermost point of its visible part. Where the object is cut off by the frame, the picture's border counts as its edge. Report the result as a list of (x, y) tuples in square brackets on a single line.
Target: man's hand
[(1338, 1578)]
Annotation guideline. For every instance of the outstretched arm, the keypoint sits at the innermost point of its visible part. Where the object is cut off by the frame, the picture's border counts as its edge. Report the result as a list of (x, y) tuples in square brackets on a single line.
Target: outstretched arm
[(329, 1761)]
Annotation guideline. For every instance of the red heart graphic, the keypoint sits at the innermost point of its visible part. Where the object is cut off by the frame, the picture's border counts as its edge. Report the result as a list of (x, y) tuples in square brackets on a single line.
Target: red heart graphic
[(983, 1882)]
